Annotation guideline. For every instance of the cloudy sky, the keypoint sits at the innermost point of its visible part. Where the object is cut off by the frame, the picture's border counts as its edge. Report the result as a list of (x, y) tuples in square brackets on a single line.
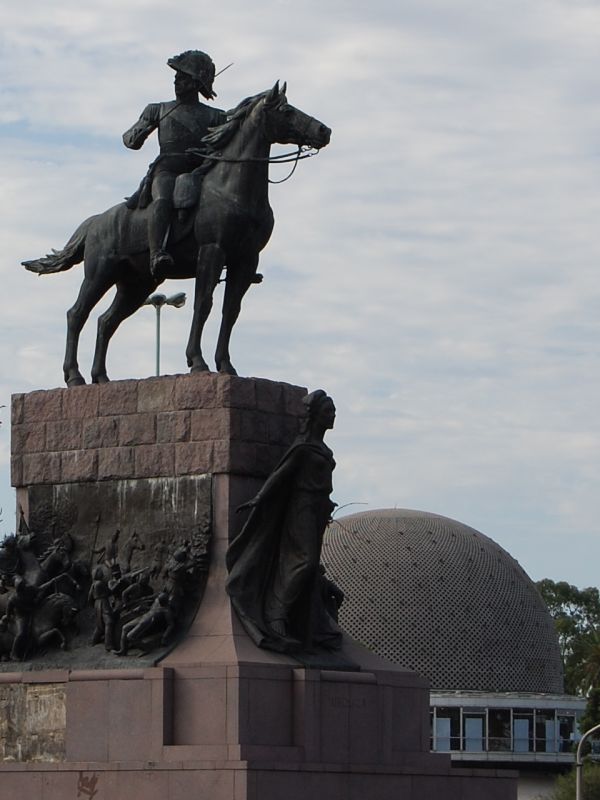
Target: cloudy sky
[(436, 268)]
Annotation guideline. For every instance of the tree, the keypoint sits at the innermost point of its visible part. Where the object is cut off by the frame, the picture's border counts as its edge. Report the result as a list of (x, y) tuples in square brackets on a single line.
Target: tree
[(564, 788), (576, 614)]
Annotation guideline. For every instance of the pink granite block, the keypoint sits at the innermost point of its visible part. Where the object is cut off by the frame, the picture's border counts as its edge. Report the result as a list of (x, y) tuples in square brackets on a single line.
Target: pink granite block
[(147, 784), (154, 460), (100, 432), (16, 409), (200, 711), (209, 423), (16, 471), (250, 458), (63, 435), (87, 736), (41, 468), (130, 720), (173, 426), (291, 428), (80, 401), (193, 457), (246, 458), (117, 397), (292, 399), (221, 455), (115, 462), (28, 437), (259, 725), (136, 429), (197, 390), (394, 787), (409, 720), (18, 784), (269, 396), (79, 465), (58, 785), (209, 783), (235, 392), (276, 429), (156, 394), (42, 405), (249, 426)]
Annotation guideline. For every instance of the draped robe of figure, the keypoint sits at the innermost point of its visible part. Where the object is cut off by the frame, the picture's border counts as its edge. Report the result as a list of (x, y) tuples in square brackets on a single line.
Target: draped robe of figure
[(274, 562)]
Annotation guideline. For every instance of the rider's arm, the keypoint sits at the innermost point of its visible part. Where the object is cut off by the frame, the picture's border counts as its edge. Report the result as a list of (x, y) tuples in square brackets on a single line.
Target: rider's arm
[(135, 137)]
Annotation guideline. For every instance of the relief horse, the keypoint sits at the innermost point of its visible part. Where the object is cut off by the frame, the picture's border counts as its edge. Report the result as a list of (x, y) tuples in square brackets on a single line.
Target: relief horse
[(230, 224)]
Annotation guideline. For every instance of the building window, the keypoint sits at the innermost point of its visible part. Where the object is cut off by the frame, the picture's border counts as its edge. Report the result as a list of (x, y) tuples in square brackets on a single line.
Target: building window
[(499, 739), (446, 729), (566, 732), (474, 731), (545, 732), (523, 730)]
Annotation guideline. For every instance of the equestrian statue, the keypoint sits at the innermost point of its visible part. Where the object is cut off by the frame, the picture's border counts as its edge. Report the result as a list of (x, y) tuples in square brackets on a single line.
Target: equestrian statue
[(202, 208)]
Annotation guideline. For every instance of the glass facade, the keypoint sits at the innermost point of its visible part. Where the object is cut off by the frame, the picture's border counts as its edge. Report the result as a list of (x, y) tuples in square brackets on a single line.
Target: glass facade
[(510, 730)]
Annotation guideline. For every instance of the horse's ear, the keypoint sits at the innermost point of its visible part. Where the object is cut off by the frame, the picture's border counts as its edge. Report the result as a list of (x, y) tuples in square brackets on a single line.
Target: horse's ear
[(273, 95), (283, 88)]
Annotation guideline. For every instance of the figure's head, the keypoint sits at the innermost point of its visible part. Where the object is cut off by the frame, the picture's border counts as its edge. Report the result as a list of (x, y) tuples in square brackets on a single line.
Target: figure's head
[(194, 72), (163, 598), (320, 409)]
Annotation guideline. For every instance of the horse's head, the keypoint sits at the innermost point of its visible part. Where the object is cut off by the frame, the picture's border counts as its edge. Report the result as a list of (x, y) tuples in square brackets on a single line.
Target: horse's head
[(285, 124)]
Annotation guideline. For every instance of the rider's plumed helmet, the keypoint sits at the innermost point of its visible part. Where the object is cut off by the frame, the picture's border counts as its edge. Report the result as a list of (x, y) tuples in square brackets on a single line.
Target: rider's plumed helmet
[(200, 66)]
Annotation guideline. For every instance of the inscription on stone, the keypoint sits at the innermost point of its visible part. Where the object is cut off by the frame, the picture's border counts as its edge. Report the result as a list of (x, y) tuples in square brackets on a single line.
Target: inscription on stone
[(86, 785), (32, 722)]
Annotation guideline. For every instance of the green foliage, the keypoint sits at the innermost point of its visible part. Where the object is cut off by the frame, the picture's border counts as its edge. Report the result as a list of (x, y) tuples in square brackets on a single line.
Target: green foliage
[(564, 788), (576, 614), (591, 715)]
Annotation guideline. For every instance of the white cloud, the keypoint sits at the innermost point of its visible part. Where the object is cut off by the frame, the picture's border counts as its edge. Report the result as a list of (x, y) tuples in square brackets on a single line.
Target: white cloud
[(435, 268)]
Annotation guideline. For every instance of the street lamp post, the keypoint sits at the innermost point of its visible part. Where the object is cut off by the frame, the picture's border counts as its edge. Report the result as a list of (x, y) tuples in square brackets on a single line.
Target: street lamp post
[(579, 762), (158, 301)]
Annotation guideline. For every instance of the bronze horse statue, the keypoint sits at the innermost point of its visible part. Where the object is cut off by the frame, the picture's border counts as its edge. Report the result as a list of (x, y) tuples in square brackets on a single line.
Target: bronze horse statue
[(229, 225)]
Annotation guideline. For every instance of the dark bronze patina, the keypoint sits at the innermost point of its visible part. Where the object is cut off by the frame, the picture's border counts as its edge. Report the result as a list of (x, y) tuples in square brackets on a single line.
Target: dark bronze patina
[(217, 182), (276, 582)]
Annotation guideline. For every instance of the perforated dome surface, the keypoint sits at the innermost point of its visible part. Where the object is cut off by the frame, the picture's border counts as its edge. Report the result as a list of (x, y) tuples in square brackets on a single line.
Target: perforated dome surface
[(440, 598)]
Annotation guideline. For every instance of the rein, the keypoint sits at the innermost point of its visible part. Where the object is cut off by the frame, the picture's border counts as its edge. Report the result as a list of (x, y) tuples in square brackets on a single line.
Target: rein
[(304, 151)]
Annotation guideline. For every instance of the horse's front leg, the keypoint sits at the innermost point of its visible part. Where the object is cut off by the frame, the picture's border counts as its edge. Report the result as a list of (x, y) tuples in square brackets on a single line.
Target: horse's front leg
[(240, 276), (211, 260)]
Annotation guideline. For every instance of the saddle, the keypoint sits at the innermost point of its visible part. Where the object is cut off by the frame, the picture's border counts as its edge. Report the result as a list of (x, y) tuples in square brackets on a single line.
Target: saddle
[(185, 194)]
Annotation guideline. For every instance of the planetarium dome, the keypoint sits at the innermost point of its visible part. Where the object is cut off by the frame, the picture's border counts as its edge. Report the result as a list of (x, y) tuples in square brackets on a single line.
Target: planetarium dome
[(440, 598)]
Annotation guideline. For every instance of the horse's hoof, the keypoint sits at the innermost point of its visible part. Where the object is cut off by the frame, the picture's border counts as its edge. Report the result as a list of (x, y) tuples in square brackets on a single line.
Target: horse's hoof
[(75, 380), (100, 378), (227, 369), (199, 368)]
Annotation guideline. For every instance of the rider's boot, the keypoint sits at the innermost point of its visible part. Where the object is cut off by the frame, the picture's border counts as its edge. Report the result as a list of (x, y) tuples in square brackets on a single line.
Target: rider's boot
[(158, 230)]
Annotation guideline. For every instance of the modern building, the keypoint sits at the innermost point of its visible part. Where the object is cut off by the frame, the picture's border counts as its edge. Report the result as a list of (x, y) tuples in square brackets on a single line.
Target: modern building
[(440, 598)]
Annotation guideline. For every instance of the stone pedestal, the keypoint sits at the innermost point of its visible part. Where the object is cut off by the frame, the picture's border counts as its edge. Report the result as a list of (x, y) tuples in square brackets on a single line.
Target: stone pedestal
[(217, 717)]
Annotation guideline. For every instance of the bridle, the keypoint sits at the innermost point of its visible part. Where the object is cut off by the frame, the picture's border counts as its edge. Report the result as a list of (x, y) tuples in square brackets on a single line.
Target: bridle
[(303, 151)]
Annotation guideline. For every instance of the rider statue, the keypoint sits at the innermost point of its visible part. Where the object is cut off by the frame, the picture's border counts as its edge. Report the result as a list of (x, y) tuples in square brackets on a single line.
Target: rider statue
[(181, 124)]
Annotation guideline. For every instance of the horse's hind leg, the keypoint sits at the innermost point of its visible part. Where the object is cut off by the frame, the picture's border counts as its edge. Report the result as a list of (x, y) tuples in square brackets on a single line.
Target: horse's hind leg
[(129, 297), (239, 278), (99, 277)]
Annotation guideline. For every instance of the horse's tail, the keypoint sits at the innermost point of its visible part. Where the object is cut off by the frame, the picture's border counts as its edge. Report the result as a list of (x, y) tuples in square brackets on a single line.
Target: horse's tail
[(61, 260)]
